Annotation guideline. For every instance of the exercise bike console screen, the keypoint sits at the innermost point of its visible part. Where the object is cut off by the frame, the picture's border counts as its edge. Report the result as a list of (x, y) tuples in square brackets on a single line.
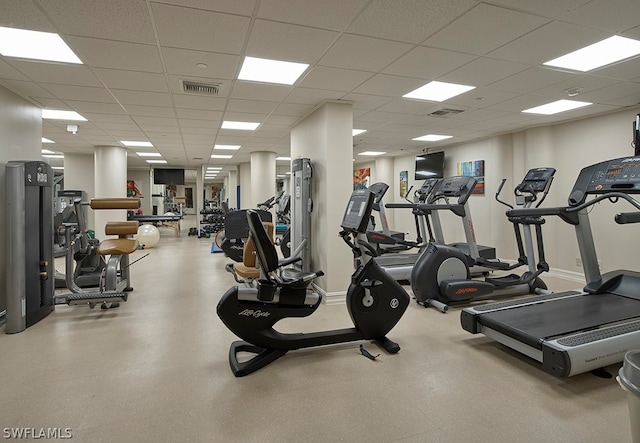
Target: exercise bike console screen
[(358, 212)]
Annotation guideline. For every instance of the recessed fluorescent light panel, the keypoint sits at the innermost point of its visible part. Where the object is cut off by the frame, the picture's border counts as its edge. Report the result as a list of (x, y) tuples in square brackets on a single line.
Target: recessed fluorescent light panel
[(243, 126), (53, 155), (149, 154), (55, 114), (599, 54), (133, 144), (157, 161), (283, 158), (57, 167), (556, 107), (355, 132), (438, 91), (46, 140), (372, 153), (271, 71), (47, 151), (432, 138), (35, 45), (221, 156), (227, 147)]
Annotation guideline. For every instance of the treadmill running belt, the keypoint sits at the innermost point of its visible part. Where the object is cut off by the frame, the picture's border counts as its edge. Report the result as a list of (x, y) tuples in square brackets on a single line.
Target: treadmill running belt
[(534, 323)]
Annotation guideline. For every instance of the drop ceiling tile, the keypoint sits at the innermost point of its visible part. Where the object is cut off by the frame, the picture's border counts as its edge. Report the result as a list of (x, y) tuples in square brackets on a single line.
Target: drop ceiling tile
[(407, 20), (30, 89), (613, 16), (405, 106), (480, 98), (9, 72), (182, 62), (427, 63), (59, 73), (142, 98), (333, 14), (287, 42), (389, 85), (313, 96), (241, 7), (363, 53), (483, 71), (150, 111), (100, 108), (293, 109), (545, 8), (625, 70), (69, 92), (286, 120), (620, 94), (198, 114), (104, 118), (140, 81), (24, 14), (322, 77), (519, 103), (126, 20), (530, 80), (587, 83), (251, 106), (120, 126), (366, 101), (548, 42), (496, 25), (117, 55), (260, 91), (199, 102), (200, 30)]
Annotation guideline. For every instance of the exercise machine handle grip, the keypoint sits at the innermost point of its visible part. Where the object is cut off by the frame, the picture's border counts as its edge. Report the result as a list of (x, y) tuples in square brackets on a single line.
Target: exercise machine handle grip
[(627, 217)]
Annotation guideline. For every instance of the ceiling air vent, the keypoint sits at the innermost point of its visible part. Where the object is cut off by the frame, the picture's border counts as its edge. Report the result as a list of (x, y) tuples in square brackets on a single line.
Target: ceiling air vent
[(200, 88), (445, 112)]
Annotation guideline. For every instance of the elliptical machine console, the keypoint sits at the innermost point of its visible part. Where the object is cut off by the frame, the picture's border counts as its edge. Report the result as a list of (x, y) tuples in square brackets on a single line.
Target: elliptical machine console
[(374, 300)]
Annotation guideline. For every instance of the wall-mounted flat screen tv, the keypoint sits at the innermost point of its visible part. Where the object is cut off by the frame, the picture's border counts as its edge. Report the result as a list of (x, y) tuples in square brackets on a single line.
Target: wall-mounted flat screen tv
[(430, 166), (168, 176)]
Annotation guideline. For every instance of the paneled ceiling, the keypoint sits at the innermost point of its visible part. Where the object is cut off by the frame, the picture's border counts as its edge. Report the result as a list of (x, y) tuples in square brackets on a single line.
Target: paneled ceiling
[(137, 53)]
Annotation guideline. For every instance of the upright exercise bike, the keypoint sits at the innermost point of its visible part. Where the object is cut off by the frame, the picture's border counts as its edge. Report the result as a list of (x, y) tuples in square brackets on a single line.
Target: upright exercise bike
[(375, 301)]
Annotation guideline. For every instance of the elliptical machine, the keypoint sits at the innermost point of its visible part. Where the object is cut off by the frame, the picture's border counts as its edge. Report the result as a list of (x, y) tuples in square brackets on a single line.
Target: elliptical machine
[(442, 275), (375, 301)]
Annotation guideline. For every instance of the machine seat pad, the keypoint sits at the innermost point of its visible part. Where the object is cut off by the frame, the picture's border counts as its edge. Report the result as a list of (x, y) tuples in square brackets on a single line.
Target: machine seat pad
[(115, 203), (246, 271), (121, 228), (290, 274), (117, 246)]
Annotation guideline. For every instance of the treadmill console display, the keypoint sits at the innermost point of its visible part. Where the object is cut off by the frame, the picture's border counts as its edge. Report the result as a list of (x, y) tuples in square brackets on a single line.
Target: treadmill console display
[(536, 180), (459, 187), (617, 175), (356, 217), (621, 175)]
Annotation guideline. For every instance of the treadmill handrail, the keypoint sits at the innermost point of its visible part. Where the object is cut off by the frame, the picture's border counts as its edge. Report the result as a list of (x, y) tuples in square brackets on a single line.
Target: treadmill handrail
[(456, 208), (569, 213)]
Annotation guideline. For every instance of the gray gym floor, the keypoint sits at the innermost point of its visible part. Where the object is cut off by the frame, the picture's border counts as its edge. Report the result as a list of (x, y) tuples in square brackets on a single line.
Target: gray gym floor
[(156, 370)]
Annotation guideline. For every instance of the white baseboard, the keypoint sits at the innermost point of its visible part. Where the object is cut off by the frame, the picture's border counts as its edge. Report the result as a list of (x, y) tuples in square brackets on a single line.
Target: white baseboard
[(331, 298), (566, 275)]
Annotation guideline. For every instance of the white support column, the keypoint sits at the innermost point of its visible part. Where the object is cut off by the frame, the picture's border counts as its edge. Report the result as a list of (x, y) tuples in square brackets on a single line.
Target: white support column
[(232, 192), (110, 180), (263, 177), (245, 186), (325, 137), (79, 175), (384, 173)]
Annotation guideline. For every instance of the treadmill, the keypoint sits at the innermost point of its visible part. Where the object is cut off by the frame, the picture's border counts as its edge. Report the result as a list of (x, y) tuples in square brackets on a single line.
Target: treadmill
[(576, 331), (400, 265)]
